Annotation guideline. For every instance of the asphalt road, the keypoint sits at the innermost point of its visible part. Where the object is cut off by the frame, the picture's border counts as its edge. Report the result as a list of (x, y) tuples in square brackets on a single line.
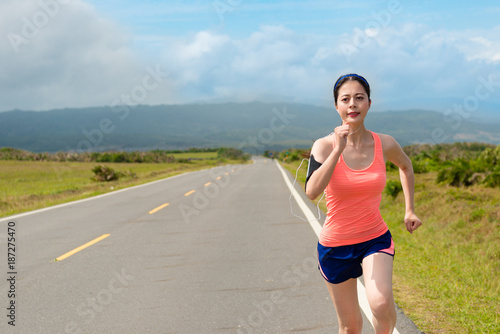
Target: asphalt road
[(226, 258)]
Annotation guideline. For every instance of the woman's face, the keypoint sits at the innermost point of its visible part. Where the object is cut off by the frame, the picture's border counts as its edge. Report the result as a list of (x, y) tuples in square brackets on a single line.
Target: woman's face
[(352, 103)]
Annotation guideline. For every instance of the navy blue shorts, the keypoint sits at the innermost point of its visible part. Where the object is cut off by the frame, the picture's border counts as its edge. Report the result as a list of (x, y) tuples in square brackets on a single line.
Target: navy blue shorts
[(338, 264)]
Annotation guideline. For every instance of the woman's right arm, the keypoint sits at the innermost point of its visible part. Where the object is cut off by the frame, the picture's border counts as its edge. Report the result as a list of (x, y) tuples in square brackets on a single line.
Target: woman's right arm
[(328, 157)]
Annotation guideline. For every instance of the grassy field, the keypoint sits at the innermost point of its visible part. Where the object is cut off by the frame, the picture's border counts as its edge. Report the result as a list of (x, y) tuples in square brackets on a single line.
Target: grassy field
[(195, 155), (447, 274), (30, 185)]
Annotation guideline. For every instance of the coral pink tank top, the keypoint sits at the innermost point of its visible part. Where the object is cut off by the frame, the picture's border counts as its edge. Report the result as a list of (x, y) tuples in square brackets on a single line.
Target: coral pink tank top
[(353, 200)]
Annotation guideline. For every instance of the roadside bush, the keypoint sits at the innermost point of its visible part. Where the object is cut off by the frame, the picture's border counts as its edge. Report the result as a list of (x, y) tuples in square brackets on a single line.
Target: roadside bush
[(420, 166), (393, 188), (155, 156), (492, 180), (105, 174), (484, 169), (232, 153), (390, 166), (458, 174), (490, 157), (294, 154)]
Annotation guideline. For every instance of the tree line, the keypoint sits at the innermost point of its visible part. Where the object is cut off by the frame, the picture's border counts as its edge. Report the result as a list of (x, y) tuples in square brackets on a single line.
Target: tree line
[(154, 156)]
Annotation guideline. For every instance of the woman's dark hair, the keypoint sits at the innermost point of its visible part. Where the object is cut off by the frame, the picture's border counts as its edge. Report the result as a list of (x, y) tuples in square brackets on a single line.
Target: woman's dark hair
[(350, 77)]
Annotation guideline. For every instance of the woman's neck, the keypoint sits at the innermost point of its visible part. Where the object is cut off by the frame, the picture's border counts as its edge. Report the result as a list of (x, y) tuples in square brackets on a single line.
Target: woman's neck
[(356, 135)]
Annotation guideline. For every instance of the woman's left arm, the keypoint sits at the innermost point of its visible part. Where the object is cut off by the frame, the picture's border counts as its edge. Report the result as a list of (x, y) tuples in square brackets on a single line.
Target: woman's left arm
[(395, 154)]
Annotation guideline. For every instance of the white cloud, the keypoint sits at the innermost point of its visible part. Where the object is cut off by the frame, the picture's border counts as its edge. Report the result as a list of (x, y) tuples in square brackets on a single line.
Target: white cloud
[(271, 61), (474, 45), (63, 54), (414, 61), (408, 60), (478, 47)]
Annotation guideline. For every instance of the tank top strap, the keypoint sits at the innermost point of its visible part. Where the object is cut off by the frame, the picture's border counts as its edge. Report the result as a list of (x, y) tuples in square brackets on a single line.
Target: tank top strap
[(379, 151)]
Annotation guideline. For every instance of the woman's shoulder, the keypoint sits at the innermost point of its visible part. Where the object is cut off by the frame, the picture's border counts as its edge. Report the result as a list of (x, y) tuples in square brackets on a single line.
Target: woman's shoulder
[(388, 142), (386, 139), (322, 147), (324, 142)]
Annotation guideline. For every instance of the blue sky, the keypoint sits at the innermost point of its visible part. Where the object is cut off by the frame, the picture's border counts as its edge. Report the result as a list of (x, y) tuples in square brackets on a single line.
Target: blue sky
[(242, 17), (416, 54)]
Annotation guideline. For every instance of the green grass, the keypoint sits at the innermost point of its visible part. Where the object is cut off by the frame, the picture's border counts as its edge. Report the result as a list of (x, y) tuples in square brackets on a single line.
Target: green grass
[(30, 185), (195, 155), (447, 273)]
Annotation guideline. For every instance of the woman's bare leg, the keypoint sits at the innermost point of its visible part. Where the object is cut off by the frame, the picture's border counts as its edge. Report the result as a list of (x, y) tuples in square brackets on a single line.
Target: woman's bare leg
[(345, 299), (377, 272)]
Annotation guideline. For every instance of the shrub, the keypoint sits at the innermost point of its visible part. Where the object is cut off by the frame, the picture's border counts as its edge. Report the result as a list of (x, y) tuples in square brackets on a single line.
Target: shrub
[(105, 174), (420, 166), (390, 166), (492, 180), (484, 169), (458, 173), (231, 153), (121, 157), (294, 156), (393, 188)]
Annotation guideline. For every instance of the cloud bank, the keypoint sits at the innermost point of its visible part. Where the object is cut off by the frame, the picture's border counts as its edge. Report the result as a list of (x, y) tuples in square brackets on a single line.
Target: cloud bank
[(76, 58), (57, 54)]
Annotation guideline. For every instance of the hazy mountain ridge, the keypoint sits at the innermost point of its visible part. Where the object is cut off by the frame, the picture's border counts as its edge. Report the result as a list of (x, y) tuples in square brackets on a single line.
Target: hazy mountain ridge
[(256, 126)]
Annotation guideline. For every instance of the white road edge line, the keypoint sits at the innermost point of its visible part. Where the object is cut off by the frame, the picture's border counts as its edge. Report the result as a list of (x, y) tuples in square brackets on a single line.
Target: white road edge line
[(316, 226), (100, 196)]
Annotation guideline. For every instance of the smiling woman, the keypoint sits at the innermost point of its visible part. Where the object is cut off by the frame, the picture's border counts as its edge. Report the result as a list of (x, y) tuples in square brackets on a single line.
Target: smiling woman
[(349, 166)]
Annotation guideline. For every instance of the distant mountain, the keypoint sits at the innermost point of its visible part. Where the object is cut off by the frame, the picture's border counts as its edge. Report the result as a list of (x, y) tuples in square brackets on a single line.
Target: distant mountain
[(486, 113), (254, 127)]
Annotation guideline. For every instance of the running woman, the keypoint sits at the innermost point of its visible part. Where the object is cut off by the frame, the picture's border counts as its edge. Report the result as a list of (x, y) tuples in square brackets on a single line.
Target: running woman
[(349, 166)]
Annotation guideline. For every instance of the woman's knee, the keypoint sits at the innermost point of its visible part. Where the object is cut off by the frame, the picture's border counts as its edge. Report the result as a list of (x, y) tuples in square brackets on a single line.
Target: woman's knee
[(350, 323), (382, 306), (351, 326)]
